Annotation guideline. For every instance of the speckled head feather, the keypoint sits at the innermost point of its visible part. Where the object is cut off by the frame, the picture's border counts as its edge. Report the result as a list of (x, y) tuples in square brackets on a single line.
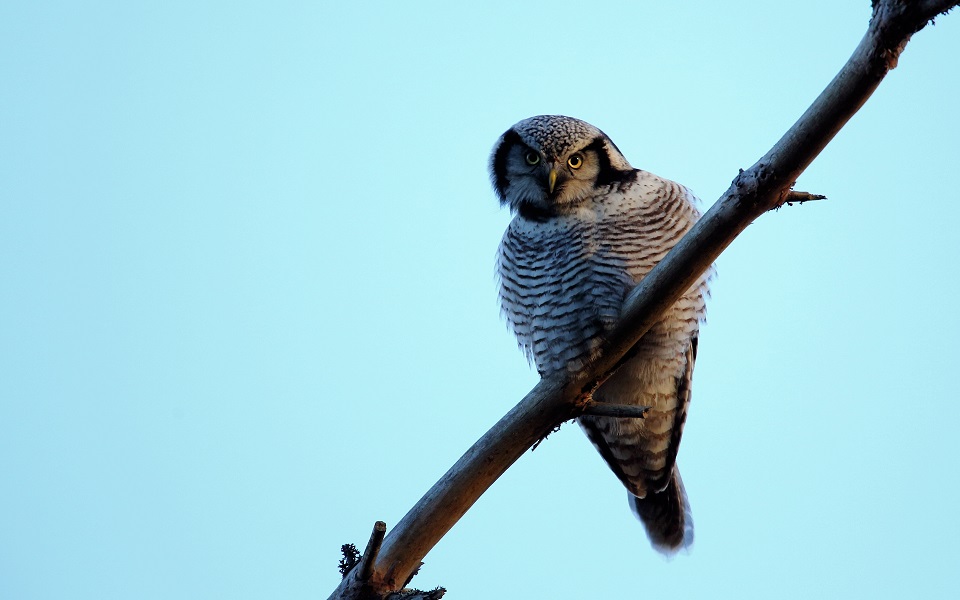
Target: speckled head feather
[(554, 138), (555, 135)]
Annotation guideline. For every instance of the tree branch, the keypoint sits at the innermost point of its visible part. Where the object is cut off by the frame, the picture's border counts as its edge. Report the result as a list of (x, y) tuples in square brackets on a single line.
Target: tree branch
[(762, 187)]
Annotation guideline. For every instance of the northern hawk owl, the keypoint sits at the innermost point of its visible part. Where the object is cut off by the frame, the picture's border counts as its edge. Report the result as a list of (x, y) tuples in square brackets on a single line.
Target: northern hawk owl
[(587, 228)]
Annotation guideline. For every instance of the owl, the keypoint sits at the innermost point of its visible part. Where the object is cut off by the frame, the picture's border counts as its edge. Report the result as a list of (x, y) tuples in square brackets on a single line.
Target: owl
[(587, 227)]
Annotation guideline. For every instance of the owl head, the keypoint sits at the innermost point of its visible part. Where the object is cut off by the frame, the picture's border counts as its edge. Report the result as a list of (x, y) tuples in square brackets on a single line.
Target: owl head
[(550, 165)]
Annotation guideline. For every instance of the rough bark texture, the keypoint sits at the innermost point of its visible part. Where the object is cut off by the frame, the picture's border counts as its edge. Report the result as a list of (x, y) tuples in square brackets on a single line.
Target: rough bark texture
[(764, 186)]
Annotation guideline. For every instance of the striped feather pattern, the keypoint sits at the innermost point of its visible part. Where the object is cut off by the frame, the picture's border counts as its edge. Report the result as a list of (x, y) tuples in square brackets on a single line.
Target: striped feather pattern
[(562, 285)]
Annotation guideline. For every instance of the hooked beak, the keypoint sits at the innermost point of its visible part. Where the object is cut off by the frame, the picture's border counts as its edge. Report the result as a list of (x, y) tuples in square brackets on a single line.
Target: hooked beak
[(552, 179)]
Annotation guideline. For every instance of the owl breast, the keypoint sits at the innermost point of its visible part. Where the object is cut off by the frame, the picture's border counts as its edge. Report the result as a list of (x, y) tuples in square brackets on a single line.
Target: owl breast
[(561, 288), (563, 280)]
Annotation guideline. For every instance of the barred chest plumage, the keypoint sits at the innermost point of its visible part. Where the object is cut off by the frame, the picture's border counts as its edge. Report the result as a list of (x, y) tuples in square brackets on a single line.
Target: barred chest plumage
[(563, 281)]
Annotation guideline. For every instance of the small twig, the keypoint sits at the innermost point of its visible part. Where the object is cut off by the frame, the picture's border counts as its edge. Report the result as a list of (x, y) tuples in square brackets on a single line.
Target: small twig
[(369, 557), (623, 411), (791, 197)]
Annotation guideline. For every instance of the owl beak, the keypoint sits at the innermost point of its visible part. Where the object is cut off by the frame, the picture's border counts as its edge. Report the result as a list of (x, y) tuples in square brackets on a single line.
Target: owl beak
[(552, 179)]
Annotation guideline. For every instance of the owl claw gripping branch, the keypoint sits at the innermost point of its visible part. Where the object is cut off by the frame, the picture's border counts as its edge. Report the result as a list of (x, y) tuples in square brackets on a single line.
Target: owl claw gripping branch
[(587, 228)]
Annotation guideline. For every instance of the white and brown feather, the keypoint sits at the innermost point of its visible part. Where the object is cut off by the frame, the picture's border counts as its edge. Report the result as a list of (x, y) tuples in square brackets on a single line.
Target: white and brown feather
[(565, 268)]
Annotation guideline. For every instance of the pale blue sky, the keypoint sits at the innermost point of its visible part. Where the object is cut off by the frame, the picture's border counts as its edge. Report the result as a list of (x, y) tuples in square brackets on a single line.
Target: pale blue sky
[(248, 304)]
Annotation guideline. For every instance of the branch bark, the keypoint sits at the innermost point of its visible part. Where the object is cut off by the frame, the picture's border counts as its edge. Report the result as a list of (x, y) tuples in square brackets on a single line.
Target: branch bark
[(764, 186)]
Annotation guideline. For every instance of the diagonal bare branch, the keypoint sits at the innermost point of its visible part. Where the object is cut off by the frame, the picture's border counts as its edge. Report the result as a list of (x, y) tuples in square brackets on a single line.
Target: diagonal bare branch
[(754, 191)]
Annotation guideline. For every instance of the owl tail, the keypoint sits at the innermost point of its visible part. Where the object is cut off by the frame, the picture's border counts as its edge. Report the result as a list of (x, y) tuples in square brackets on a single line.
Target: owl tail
[(666, 516)]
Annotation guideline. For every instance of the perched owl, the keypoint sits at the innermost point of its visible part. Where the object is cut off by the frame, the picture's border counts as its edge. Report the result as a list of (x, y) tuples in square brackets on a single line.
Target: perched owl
[(587, 228)]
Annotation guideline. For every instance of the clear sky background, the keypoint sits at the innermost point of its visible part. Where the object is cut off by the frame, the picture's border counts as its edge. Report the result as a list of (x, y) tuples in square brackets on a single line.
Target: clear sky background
[(248, 306)]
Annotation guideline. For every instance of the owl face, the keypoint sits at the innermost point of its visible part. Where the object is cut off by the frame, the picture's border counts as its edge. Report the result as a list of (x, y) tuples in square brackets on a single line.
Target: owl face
[(550, 165)]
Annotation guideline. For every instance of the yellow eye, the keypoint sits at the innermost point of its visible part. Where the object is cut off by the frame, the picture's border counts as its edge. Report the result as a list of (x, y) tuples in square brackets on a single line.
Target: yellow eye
[(532, 158), (575, 161)]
